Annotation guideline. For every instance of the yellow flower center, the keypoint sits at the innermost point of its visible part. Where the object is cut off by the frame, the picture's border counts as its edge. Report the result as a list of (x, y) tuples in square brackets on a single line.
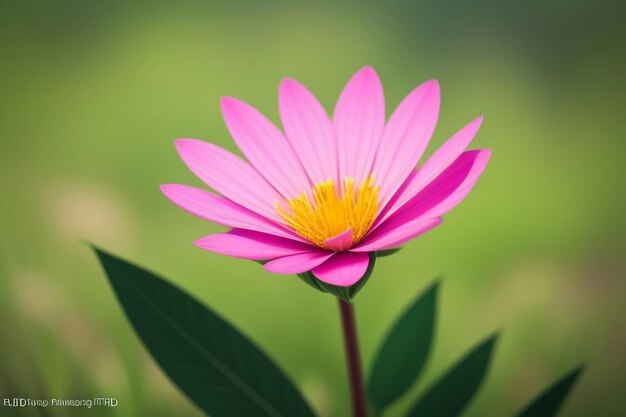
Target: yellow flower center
[(333, 211)]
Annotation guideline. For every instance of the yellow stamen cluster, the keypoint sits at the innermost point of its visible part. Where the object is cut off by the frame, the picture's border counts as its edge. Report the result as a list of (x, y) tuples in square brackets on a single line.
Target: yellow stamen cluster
[(333, 211)]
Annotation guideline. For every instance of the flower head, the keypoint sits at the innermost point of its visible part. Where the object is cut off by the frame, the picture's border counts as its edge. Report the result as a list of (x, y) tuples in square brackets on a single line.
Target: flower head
[(322, 195)]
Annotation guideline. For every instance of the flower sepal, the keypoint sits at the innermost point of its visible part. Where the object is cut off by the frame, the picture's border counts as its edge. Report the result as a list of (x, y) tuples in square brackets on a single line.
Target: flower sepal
[(347, 294), (387, 252)]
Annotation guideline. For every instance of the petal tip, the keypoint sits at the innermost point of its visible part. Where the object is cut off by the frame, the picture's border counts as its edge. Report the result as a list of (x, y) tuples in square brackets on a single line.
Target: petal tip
[(289, 90), (227, 103), (184, 144), (477, 122), (370, 73), (187, 148), (203, 243), (471, 129), (433, 86), (166, 188), (288, 83), (367, 74), (270, 267)]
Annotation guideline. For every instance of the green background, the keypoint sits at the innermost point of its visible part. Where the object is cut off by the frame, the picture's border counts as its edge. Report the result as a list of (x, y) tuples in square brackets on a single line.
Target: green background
[(93, 95)]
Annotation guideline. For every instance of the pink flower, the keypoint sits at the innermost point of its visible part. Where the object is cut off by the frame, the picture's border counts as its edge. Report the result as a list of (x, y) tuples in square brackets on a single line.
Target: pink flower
[(325, 193)]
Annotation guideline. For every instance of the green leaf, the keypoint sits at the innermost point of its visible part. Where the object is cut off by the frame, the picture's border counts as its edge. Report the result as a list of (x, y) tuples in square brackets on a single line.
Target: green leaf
[(547, 404), (404, 351), (449, 396), (217, 367), (347, 294)]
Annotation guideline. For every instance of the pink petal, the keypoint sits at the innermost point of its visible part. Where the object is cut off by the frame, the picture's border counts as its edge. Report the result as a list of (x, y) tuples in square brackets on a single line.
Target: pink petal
[(309, 130), (405, 138), (248, 244), (230, 176), (389, 239), (358, 123), (479, 165), (435, 165), (221, 210), (265, 147), (441, 195), (342, 241), (297, 264), (343, 268)]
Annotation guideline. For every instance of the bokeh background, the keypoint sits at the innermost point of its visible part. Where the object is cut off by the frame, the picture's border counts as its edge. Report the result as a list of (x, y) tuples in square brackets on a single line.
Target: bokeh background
[(93, 93)]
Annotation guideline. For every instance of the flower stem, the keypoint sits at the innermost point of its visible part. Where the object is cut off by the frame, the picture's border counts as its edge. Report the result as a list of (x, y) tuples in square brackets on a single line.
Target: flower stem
[(351, 344)]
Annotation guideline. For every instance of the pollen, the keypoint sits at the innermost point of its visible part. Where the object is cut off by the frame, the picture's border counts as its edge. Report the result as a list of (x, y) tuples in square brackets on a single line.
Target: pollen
[(331, 210)]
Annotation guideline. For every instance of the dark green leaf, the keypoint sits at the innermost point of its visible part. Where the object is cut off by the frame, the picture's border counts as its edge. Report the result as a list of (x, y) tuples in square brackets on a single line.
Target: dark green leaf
[(449, 396), (404, 351), (347, 294), (547, 404), (217, 367)]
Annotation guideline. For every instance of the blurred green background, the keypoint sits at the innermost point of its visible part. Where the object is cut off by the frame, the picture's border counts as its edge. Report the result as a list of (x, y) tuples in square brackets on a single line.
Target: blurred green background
[(93, 94)]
